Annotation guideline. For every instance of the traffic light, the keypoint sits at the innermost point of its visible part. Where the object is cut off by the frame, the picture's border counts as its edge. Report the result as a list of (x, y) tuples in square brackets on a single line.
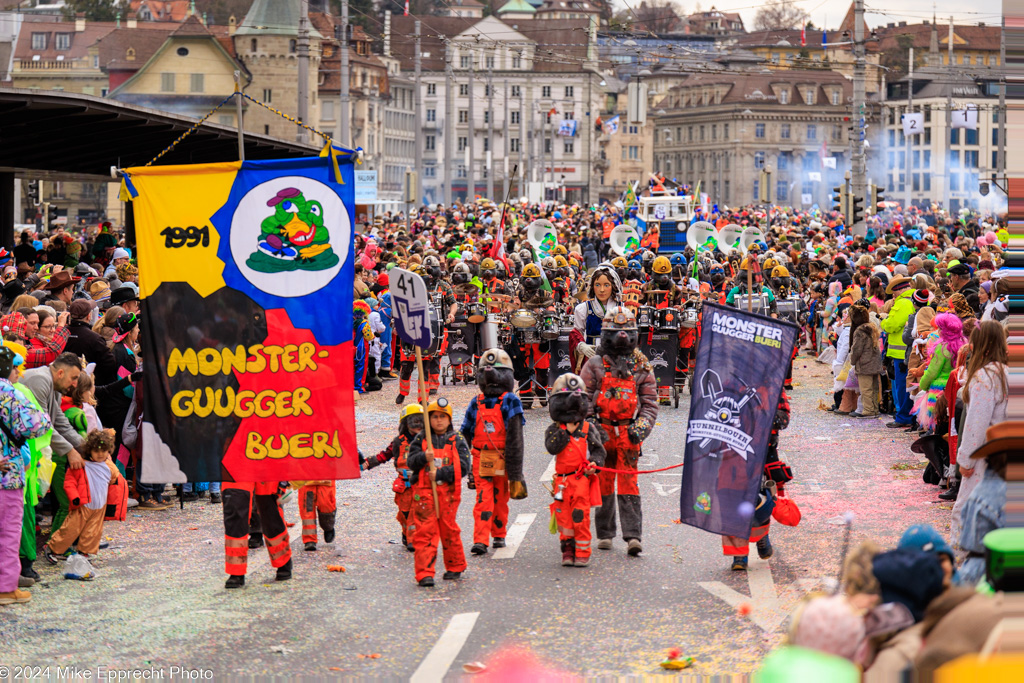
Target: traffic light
[(877, 197), (856, 209), (765, 187), (33, 192), (839, 200)]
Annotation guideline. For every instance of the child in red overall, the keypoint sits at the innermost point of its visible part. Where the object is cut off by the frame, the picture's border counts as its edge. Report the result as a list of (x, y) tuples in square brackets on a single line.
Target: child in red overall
[(410, 424), (493, 424), (577, 447), (317, 501), (427, 528), (624, 398)]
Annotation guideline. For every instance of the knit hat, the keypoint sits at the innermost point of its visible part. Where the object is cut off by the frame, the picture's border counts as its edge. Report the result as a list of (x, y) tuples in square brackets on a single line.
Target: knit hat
[(14, 323), (921, 297), (960, 306), (828, 624), (910, 577)]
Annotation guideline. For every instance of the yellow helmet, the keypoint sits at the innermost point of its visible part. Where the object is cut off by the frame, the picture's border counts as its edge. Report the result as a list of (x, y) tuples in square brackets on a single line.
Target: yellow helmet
[(620, 262), (780, 271), (559, 250), (531, 270), (418, 270), (440, 404), (662, 265), (770, 263), (560, 262), (411, 409), (488, 264), (745, 264)]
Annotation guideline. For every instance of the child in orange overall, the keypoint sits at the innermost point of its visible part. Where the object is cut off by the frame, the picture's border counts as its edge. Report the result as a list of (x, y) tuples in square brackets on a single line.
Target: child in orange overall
[(427, 528), (578, 448), (493, 424), (410, 424), (316, 500)]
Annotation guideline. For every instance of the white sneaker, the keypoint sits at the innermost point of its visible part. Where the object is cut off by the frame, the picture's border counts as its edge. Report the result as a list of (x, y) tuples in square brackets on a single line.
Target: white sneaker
[(132, 503)]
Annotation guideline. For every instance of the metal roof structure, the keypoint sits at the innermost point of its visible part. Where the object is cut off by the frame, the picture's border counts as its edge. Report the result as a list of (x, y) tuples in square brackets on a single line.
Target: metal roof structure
[(70, 136)]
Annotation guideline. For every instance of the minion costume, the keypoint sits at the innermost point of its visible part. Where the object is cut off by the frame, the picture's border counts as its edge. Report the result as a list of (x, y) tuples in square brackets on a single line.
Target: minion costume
[(362, 335)]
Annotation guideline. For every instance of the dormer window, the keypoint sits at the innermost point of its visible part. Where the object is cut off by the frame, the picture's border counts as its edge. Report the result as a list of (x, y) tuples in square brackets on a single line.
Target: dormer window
[(784, 96), (835, 97), (809, 96)]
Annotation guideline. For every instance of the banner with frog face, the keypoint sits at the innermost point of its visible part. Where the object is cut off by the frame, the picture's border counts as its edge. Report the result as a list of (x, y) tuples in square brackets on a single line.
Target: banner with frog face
[(246, 279)]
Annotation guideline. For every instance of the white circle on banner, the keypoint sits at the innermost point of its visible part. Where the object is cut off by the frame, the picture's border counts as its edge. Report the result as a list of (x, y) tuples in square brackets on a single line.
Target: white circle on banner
[(290, 236)]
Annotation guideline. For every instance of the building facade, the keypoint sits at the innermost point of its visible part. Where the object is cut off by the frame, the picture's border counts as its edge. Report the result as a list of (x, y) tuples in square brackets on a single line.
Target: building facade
[(722, 130)]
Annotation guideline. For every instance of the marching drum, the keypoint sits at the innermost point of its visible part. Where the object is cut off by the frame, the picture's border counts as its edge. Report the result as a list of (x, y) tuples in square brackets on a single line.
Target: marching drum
[(690, 315), (489, 332), (759, 305), (523, 319), (645, 317), (436, 331), (667, 319), (477, 312), (789, 309), (458, 341), (549, 328)]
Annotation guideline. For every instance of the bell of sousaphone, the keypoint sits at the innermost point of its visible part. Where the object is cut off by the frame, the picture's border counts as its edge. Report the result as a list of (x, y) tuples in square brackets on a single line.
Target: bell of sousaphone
[(748, 237), (542, 236), (623, 239), (728, 236), (698, 233)]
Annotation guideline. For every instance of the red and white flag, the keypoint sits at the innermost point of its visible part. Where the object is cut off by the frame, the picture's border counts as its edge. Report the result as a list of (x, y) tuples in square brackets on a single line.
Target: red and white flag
[(803, 31), (406, 7)]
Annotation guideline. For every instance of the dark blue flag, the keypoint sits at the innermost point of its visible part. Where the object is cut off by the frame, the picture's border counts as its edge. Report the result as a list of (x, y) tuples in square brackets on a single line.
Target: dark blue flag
[(741, 365)]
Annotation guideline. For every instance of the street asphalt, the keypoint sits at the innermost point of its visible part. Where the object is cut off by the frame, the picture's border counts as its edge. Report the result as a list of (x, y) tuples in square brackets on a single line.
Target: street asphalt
[(159, 602)]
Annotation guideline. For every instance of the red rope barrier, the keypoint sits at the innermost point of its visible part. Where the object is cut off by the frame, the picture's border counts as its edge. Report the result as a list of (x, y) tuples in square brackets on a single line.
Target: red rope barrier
[(661, 469)]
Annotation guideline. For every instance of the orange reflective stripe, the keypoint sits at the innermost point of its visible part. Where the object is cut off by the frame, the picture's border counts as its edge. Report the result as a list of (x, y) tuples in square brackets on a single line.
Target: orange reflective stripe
[(235, 560), (230, 542)]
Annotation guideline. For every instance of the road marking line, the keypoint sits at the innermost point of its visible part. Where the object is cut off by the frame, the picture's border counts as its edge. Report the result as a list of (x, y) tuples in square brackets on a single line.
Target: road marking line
[(440, 658), (515, 536), (766, 608), (549, 473)]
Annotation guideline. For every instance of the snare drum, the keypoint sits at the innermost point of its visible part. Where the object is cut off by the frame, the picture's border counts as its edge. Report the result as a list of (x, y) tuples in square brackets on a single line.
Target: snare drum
[(549, 327), (645, 317), (436, 331), (523, 319), (689, 316), (667, 319), (476, 312)]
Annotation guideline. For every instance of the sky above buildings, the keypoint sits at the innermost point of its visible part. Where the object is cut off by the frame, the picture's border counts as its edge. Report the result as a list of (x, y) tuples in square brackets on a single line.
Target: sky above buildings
[(830, 13)]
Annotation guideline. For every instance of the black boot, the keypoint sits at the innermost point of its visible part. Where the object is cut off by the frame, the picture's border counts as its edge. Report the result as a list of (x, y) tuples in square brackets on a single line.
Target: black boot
[(284, 572), (479, 549), (427, 582), (255, 541), (28, 571), (328, 535), (948, 494), (498, 543), (399, 399), (235, 582), (373, 383)]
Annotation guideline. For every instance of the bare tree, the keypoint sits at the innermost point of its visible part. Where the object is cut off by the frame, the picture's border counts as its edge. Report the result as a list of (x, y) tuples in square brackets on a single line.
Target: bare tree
[(658, 16), (780, 15)]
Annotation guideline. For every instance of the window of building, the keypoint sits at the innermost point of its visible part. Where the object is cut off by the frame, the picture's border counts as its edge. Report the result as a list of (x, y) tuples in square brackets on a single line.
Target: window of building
[(461, 171), (809, 96), (293, 46), (971, 158), (517, 63), (62, 41), (516, 91), (954, 136), (568, 147), (463, 116), (429, 143), (633, 130), (837, 132), (812, 131), (568, 91), (569, 115), (463, 142), (781, 191), (784, 131), (252, 45), (916, 159), (545, 91), (784, 96), (757, 190), (513, 145), (725, 191), (39, 41), (167, 82), (835, 97), (431, 115), (759, 130), (464, 61), (702, 133), (714, 131), (926, 160), (224, 120), (915, 182), (547, 145), (758, 160), (634, 153), (429, 171), (954, 182), (488, 62), (268, 95), (463, 89), (784, 161), (927, 184), (327, 110), (970, 136), (725, 131), (431, 89), (196, 82)]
